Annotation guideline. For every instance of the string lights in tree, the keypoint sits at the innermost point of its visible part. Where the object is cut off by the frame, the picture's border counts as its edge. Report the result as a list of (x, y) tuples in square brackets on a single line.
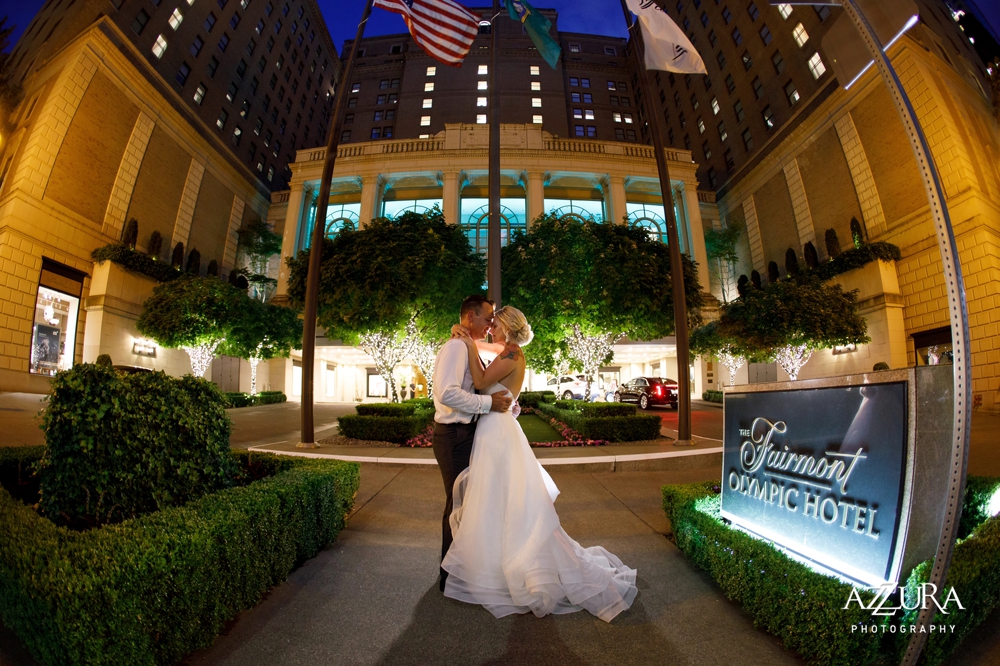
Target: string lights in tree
[(202, 356), (791, 358), (254, 360), (732, 361), (590, 351), (387, 350), (424, 353)]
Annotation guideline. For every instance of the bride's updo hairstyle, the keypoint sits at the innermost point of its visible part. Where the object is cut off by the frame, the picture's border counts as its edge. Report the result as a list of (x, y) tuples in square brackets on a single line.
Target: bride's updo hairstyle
[(517, 327)]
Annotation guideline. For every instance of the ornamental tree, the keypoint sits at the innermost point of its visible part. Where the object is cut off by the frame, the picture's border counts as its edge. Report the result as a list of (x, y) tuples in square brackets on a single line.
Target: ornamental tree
[(194, 314), (257, 244), (606, 279), (263, 331), (708, 341), (720, 246)]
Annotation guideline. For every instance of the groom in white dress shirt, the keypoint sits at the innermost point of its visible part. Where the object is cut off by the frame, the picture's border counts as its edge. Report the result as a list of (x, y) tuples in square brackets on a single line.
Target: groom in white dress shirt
[(457, 406)]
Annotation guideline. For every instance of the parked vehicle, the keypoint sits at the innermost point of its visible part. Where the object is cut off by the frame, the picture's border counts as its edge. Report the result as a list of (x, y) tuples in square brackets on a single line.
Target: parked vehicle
[(573, 387), (648, 391)]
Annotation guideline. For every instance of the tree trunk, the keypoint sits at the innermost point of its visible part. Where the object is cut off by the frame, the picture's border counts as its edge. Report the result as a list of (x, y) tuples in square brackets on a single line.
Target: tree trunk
[(254, 360)]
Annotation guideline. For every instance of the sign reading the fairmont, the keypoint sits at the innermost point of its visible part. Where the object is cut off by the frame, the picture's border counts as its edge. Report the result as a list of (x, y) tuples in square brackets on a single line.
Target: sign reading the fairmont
[(820, 472)]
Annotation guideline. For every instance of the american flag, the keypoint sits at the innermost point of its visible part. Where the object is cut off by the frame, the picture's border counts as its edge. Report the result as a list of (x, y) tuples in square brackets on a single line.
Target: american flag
[(443, 28)]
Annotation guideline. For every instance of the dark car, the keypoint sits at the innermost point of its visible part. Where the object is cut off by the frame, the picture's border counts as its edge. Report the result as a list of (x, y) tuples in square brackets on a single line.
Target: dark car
[(648, 391)]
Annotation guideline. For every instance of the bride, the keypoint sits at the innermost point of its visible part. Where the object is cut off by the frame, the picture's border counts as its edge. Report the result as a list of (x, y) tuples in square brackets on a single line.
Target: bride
[(509, 553)]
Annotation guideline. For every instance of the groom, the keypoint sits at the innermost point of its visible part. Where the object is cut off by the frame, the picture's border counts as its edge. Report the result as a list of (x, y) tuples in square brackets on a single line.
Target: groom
[(457, 407)]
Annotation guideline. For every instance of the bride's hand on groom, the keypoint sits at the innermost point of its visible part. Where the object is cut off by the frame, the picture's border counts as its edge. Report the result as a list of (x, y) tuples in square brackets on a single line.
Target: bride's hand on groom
[(459, 331)]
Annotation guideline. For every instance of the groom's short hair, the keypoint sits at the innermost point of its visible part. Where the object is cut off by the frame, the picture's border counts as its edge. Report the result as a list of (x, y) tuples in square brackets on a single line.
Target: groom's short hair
[(473, 304)]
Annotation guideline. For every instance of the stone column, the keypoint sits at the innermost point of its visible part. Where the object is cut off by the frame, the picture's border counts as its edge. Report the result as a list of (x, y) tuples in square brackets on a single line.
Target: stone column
[(800, 205), (535, 187), (451, 194), (185, 211), (371, 198), (861, 174), (298, 203), (616, 199), (232, 235), (753, 235), (696, 233), (128, 172)]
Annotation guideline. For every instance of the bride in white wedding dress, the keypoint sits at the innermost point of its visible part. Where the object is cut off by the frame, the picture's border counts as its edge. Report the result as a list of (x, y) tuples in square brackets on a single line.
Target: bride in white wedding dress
[(509, 552)]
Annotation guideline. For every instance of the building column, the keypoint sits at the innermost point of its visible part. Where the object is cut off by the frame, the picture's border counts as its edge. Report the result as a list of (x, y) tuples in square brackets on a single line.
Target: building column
[(128, 172), (298, 202), (753, 235), (800, 205), (535, 195), (615, 187), (861, 174), (451, 193), (371, 198), (189, 197), (232, 235), (696, 233)]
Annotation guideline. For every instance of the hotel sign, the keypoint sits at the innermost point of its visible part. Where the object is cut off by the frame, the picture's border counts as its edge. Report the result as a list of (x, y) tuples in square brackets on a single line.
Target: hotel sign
[(821, 472)]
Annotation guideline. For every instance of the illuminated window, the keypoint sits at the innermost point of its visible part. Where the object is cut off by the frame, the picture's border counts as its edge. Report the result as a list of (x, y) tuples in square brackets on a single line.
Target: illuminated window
[(722, 131), (483, 70), (588, 114), (481, 119), (800, 35), (429, 86), (537, 120), (159, 46), (175, 19), (199, 95), (425, 121), (480, 101), (536, 102), (791, 93), (701, 126), (715, 106), (617, 117), (785, 10), (535, 71), (628, 118), (536, 85), (424, 136), (768, 118), (481, 85), (816, 66), (428, 103), (432, 71), (53, 333)]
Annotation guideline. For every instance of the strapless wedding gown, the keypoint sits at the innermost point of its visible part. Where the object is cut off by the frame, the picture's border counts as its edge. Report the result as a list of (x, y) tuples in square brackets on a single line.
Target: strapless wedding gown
[(509, 552)]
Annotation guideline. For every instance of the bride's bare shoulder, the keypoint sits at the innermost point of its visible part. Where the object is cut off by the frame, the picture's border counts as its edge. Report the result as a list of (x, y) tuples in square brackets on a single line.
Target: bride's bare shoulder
[(512, 352)]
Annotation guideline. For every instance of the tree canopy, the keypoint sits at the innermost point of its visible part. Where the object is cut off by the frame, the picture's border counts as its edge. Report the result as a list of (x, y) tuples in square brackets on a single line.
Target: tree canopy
[(191, 311), (604, 278), (263, 331), (376, 278)]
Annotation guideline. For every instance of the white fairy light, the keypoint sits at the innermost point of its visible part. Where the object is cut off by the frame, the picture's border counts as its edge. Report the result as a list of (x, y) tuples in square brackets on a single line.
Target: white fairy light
[(791, 358), (387, 350), (590, 351), (202, 356), (254, 359), (732, 361), (424, 354)]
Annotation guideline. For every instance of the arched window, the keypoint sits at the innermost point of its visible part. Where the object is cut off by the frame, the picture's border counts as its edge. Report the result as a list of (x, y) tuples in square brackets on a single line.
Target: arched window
[(650, 218), (393, 209), (578, 209), (476, 226), (340, 217)]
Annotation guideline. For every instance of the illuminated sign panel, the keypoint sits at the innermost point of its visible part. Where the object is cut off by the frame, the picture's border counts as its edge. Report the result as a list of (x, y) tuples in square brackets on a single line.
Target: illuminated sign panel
[(821, 472)]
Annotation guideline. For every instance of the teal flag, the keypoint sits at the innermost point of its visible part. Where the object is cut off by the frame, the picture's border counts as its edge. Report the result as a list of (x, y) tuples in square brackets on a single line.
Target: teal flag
[(537, 27)]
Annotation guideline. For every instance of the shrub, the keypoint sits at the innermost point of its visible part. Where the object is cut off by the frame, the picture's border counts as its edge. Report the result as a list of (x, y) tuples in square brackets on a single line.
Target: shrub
[(153, 589), (155, 245), (712, 396), (177, 259), (607, 409), (832, 243), (791, 262), (420, 403), (213, 269), (532, 398), (385, 428), (810, 255), (271, 397), (135, 261), (18, 465), (979, 492), (130, 234), (386, 409), (237, 399), (638, 427), (880, 366), (772, 272), (123, 445), (104, 360), (194, 262), (856, 258), (571, 405)]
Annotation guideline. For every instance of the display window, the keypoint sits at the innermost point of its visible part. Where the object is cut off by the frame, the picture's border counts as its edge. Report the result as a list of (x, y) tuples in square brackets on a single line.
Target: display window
[(57, 307)]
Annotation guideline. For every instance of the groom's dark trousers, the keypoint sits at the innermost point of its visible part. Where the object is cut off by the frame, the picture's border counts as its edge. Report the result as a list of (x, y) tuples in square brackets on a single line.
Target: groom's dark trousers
[(452, 447)]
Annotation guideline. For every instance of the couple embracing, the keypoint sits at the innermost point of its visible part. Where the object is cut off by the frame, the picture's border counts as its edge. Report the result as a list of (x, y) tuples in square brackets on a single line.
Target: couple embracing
[(503, 547)]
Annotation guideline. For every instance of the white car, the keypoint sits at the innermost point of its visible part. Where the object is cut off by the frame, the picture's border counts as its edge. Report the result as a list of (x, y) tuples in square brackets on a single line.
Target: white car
[(573, 387)]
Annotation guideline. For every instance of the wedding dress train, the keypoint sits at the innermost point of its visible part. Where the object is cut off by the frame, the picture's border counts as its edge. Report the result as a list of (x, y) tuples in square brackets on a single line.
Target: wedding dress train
[(510, 554)]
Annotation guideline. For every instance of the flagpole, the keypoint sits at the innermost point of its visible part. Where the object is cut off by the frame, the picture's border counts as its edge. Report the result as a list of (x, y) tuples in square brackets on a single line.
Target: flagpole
[(676, 267), (308, 438), (493, 233)]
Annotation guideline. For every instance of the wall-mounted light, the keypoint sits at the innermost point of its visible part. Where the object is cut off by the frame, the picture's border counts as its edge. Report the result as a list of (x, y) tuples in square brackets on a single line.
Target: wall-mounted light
[(143, 347)]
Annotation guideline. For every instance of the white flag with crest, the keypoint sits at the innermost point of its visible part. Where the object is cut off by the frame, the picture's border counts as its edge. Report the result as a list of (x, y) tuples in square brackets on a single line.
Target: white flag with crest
[(667, 47)]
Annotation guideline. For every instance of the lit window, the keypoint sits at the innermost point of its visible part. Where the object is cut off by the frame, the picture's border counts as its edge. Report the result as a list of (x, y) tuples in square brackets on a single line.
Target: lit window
[(715, 106), (175, 19), (221, 120), (535, 71), (537, 120), (617, 116), (432, 71), (785, 10), (159, 46), (481, 85), (722, 131), (701, 126), (536, 102), (791, 93), (428, 103), (800, 35), (536, 85), (588, 114), (429, 86), (628, 118), (480, 101), (425, 121), (481, 119), (356, 88), (574, 48), (768, 118), (483, 70), (816, 66), (199, 95), (424, 136)]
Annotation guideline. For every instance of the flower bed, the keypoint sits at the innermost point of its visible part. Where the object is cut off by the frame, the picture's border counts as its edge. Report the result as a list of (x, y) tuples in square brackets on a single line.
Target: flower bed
[(635, 428), (570, 437), (152, 589)]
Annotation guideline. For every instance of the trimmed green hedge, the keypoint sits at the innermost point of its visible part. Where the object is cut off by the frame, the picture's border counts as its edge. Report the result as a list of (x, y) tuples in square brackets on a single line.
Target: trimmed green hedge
[(153, 589), (813, 622), (712, 396), (386, 409), (607, 409), (856, 257), (570, 405), (532, 398), (136, 261), (420, 403), (239, 399), (385, 428), (639, 427), (18, 465)]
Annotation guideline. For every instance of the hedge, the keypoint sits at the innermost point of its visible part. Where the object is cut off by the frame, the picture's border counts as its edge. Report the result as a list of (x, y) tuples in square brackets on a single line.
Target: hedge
[(18, 465), (239, 399), (635, 428), (856, 257), (385, 428), (712, 396), (386, 409), (805, 609), (153, 589), (532, 398), (420, 403), (135, 261)]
